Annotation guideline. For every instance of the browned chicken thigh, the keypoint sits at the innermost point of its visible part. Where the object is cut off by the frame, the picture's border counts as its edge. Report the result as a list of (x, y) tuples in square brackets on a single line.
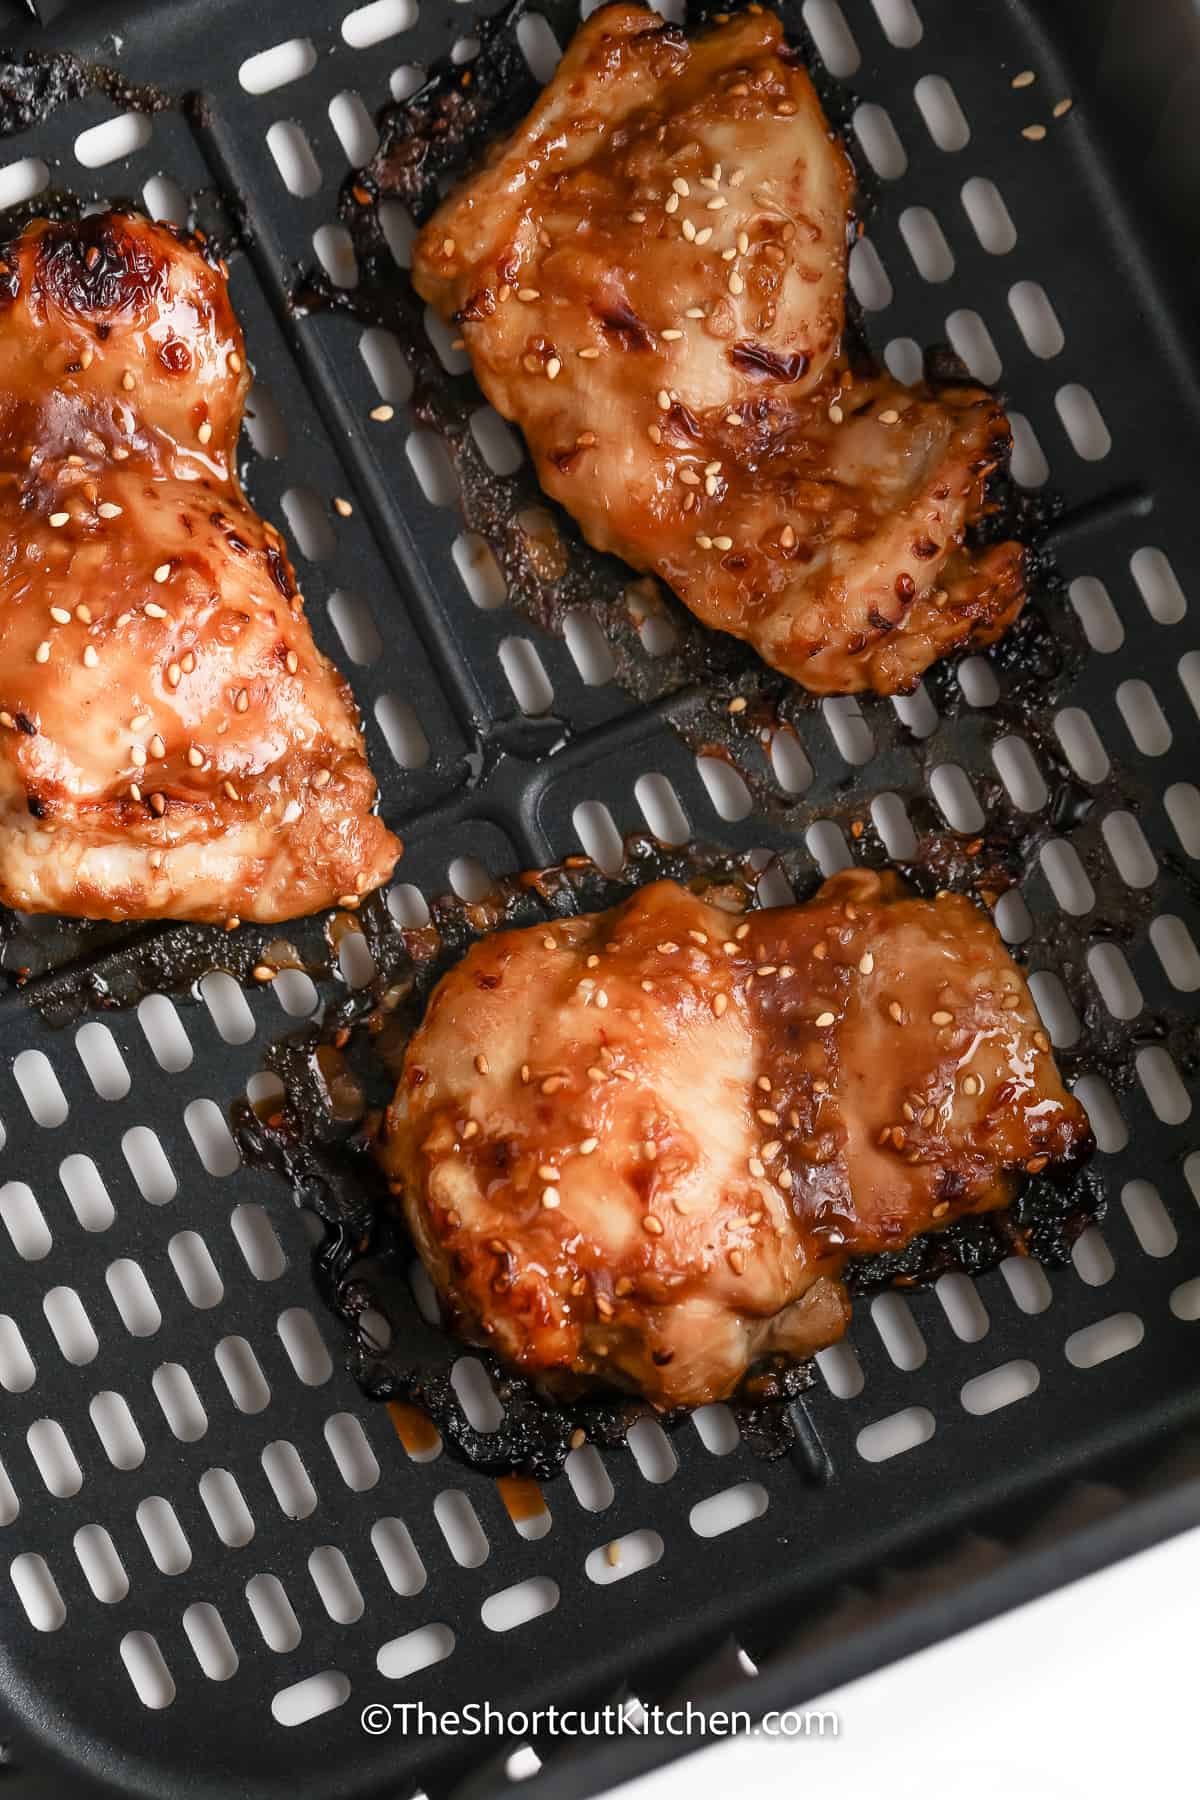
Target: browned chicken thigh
[(638, 1147), (650, 278), (172, 743)]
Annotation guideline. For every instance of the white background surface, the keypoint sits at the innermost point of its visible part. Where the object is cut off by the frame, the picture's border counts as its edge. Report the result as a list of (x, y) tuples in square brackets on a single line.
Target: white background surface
[(1089, 1694)]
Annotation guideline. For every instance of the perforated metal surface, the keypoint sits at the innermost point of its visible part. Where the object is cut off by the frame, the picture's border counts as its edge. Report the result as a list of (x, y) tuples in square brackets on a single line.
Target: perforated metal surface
[(186, 1294)]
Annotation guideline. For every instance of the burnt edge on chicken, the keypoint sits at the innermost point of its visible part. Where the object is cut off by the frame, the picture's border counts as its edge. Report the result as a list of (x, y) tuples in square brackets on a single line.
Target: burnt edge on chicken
[(346, 1066)]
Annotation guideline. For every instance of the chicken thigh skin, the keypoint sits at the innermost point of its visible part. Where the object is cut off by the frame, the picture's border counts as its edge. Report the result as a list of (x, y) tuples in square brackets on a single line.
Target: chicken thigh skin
[(638, 1147), (172, 743)]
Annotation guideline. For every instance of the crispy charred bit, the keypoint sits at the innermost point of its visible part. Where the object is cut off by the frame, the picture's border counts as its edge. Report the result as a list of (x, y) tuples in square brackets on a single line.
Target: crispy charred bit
[(662, 247), (172, 744), (639, 1148)]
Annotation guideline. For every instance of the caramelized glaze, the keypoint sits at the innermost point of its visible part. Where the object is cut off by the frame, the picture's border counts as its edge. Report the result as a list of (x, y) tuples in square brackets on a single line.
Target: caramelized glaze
[(172, 743), (639, 1147), (650, 278)]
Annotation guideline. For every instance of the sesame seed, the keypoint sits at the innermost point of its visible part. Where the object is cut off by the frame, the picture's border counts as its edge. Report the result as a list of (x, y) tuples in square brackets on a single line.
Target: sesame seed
[(291, 662), (264, 972), (381, 414), (42, 653), (552, 1083), (736, 284), (737, 1261), (694, 312), (194, 756), (672, 335), (836, 414), (941, 1209), (60, 615), (137, 757), (162, 573), (890, 417), (972, 1085), (551, 1197), (1062, 108), (241, 701), (205, 432), (589, 355), (765, 969), (601, 999), (229, 790), (825, 1018), (108, 509), (732, 418), (820, 951), (702, 237), (756, 1167), (866, 963), (120, 453), (689, 231), (719, 1003), (742, 932), (654, 434), (135, 792), (664, 400), (554, 368), (680, 186), (187, 663), (895, 1011), (234, 362), (738, 704), (127, 381), (83, 614), (471, 1128), (722, 543), (322, 777), (941, 1017), (342, 507), (60, 518), (743, 243), (636, 218), (771, 1150), (154, 611), (717, 205), (653, 1225), (1041, 1040), (157, 804), (784, 1179), (704, 541), (1035, 133), (765, 1114), (1036, 1164), (710, 485), (672, 203), (689, 477), (1025, 79)]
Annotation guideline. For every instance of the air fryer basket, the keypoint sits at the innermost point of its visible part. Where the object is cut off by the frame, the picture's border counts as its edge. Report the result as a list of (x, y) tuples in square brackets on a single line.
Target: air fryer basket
[(215, 1551)]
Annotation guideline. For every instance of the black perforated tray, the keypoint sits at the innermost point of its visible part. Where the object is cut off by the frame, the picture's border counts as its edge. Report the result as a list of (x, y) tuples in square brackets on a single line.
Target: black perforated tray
[(839, 1562)]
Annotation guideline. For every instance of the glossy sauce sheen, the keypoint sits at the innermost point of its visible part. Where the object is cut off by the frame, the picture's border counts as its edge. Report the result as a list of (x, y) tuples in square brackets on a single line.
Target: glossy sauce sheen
[(650, 278), (639, 1146), (172, 743)]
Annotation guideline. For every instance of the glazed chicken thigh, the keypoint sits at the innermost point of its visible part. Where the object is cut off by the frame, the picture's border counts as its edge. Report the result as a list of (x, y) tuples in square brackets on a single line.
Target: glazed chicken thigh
[(650, 278), (638, 1147), (172, 743)]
